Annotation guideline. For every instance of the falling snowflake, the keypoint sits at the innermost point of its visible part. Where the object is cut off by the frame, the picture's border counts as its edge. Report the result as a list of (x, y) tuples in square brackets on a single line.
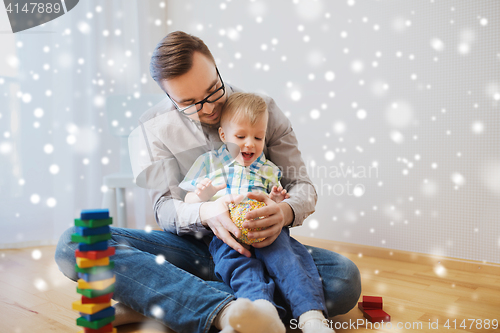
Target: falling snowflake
[(437, 44), (51, 202), (54, 169), (329, 155), (313, 224), (295, 95), (157, 311), (41, 285), (329, 76), (35, 199), (160, 259), (36, 254), (314, 114)]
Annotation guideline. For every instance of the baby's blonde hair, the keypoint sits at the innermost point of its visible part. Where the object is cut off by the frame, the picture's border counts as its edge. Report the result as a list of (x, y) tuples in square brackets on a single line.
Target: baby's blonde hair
[(244, 105)]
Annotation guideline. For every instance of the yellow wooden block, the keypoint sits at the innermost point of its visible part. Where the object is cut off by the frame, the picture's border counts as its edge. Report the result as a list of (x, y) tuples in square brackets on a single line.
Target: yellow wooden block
[(85, 263), (113, 331), (90, 308), (96, 285)]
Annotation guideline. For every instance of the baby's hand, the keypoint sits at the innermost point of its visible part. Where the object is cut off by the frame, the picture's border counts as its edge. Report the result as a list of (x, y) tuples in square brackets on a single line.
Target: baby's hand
[(205, 190), (278, 194)]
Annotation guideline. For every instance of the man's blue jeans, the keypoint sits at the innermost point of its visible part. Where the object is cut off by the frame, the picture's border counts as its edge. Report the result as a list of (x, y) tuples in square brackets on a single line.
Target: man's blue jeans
[(185, 287), (285, 266)]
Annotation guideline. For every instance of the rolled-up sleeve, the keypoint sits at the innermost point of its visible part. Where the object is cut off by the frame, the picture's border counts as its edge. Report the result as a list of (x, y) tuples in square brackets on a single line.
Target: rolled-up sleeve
[(282, 149), (178, 217)]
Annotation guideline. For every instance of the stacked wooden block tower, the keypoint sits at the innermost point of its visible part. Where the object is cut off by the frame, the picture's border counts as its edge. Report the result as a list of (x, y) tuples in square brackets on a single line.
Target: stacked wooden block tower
[(96, 281)]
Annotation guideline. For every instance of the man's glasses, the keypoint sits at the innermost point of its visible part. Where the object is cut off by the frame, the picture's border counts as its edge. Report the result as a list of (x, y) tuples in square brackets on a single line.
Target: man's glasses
[(196, 107)]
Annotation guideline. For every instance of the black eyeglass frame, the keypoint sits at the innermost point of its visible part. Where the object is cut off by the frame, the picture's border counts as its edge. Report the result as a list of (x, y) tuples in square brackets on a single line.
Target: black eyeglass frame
[(205, 100)]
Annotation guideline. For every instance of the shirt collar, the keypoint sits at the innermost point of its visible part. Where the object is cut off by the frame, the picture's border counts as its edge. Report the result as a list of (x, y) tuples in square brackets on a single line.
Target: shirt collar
[(225, 157), (258, 163)]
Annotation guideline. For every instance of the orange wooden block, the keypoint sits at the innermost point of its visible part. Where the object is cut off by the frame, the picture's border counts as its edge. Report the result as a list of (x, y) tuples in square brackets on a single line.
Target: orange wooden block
[(86, 263), (96, 285), (90, 308)]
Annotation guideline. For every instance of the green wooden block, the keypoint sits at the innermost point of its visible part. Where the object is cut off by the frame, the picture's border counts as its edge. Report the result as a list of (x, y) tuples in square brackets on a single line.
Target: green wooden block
[(95, 269), (96, 324), (91, 293), (75, 238), (93, 223)]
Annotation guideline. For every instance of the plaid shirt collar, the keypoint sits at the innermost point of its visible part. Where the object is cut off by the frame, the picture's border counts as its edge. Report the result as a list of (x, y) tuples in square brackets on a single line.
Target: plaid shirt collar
[(227, 159)]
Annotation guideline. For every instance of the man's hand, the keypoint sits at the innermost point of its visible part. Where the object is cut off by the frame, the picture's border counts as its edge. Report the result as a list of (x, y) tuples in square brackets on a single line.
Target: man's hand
[(206, 190), (215, 214), (273, 219)]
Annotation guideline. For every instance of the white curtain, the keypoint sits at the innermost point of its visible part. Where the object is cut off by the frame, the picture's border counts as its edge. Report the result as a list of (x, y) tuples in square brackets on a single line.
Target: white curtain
[(55, 142)]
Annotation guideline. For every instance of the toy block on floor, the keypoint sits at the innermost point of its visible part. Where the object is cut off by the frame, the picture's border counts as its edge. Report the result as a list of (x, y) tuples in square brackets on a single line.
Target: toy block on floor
[(95, 293), (99, 246), (84, 231), (76, 238), (99, 299), (94, 255), (376, 316), (96, 324), (87, 263), (108, 312), (93, 223), (372, 302), (105, 329), (94, 214), (89, 330), (96, 285), (372, 309), (89, 308), (95, 277), (95, 269), (361, 307)]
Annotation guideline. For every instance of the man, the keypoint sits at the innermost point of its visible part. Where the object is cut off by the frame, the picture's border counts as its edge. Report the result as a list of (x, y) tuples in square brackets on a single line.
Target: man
[(169, 274)]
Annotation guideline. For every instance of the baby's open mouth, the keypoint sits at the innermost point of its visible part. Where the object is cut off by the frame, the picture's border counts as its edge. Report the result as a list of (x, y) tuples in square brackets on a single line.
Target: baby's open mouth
[(247, 156)]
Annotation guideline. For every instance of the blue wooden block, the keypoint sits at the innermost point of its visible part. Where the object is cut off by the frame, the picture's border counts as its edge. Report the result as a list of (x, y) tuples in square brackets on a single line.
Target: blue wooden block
[(83, 231), (94, 214), (99, 246), (95, 277), (108, 312)]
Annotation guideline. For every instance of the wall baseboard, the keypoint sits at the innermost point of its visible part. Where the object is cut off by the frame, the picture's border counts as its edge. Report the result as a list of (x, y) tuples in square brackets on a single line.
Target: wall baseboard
[(406, 256)]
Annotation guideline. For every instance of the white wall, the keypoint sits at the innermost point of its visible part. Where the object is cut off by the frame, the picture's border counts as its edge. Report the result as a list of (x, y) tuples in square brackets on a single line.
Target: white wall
[(55, 138)]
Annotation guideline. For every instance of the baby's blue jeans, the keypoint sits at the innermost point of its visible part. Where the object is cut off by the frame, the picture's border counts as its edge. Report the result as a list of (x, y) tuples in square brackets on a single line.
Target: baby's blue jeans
[(285, 267)]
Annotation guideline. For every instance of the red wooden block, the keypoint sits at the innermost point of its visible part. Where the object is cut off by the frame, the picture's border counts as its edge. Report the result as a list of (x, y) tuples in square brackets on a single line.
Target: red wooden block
[(105, 329), (96, 300), (372, 302), (376, 316), (361, 307), (94, 255)]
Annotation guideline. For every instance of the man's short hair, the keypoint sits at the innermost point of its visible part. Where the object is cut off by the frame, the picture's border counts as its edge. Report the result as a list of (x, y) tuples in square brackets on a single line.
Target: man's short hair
[(247, 106), (173, 56)]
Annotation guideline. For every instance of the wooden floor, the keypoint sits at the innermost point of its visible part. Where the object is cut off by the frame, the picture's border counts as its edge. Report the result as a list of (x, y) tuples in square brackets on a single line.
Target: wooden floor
[(36, 297)]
